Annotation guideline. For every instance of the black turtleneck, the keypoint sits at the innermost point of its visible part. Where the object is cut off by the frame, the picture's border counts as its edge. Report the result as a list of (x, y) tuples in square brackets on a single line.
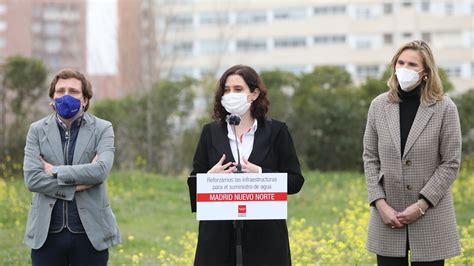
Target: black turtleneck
[(409, 103)]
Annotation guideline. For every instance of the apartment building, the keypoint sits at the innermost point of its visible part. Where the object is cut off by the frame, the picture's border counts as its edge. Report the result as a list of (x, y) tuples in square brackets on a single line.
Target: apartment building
[(53, 30), (204, 37)]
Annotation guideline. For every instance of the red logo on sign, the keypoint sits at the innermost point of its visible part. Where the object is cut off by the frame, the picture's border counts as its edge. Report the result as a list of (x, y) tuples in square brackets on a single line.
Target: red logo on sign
[(242, 209)]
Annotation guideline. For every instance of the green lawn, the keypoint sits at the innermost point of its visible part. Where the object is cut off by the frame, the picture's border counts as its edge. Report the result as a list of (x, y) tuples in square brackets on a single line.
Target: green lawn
[(153, 215)]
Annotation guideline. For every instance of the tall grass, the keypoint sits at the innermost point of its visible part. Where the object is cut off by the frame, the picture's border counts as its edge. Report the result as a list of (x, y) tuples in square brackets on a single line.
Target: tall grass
[(327, 219)]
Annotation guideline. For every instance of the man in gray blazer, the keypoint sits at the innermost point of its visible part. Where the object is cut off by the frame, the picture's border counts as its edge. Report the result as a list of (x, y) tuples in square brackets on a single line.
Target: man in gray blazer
[(68, 156)]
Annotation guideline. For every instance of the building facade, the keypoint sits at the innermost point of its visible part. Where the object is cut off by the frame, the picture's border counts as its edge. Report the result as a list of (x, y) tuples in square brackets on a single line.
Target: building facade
[(204, 37), (52, 30)]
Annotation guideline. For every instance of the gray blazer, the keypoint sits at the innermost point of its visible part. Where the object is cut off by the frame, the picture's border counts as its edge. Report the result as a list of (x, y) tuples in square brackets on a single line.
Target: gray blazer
[(96, 136), (429, 166)]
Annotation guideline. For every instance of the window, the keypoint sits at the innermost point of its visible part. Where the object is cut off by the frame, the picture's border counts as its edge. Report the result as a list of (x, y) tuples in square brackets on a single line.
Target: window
[(289, 42), (425, 6), (52, 29), (448, 39), (245, 17), (363, 11), (426, 36), (183, 47), (387, 8), (406, 3), (388, 38), (179, 21), (36, 27), (251, 45), (179, 73), (3, 25), (406, 35), (212, 46), (329, 39), (296, 69), (3, 9), (294, 13), (3, 43), (367, 70), (453, 71), (174, 2), (214, 19), (55, 11), (472, 69), (329, 10), (53, 46), (54, 61), (449, 8)]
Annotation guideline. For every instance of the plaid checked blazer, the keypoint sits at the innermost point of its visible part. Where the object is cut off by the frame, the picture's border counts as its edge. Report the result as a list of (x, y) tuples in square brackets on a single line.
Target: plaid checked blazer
[(428, 167)]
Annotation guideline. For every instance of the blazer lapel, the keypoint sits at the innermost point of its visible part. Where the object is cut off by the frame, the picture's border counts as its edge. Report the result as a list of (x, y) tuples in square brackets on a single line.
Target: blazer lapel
[(83, 138), (261, 142), (392, 114), (51, 131), (220, 141), (422, 117)]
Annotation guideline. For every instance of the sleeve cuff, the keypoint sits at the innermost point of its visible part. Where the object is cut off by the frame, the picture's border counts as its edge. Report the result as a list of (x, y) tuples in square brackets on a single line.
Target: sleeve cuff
[(423, 197)]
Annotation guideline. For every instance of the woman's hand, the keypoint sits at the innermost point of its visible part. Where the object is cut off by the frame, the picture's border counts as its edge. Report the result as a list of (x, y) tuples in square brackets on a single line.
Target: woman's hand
[(249, 167), (412, 212), (388, 214), (219, 167)]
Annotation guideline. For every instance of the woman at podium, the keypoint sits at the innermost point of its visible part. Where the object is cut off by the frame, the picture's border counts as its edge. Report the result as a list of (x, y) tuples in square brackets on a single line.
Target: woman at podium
[(264, 145)]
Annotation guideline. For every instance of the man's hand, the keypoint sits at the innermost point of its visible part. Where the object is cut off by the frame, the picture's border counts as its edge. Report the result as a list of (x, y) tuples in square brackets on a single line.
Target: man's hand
[(80, 188), (47, 167), (388, 214)]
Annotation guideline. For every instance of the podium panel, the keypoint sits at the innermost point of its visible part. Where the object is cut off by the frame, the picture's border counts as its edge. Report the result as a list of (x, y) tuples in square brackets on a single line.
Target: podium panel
[(241, 196)]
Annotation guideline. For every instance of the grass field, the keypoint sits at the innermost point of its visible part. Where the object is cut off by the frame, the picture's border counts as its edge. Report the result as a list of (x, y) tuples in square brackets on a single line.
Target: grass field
[(327, 219)]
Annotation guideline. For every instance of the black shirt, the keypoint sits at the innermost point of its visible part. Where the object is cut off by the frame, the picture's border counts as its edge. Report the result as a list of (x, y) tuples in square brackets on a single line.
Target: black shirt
[(409, 103)]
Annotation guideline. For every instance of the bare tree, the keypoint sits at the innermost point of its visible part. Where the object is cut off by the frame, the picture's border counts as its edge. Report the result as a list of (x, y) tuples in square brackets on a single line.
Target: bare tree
[(151, 71)]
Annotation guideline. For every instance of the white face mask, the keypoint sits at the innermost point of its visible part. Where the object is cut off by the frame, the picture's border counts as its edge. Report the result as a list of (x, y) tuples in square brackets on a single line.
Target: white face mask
[(235, 103), (407, 78)]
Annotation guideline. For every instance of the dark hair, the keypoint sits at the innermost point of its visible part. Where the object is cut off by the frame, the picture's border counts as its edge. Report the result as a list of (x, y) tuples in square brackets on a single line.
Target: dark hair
[(72, 74), (259, 107)]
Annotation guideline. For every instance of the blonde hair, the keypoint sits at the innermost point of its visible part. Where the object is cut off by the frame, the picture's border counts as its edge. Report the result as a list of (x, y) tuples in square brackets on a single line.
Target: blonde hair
[(433, 90)]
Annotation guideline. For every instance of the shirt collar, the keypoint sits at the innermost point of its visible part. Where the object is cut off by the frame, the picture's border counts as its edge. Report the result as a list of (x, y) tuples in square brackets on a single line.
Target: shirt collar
[(77, 121), (251, 131)]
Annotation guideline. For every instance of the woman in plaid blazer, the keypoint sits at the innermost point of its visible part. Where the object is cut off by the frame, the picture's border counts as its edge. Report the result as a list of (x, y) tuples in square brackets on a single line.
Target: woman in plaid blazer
[(412, 153)]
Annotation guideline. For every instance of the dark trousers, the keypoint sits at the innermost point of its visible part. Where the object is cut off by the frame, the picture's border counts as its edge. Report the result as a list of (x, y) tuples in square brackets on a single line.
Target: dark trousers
[(403, 261), (66, 248)]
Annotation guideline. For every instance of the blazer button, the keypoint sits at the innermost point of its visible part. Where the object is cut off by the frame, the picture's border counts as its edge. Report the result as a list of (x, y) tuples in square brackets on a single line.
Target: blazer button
[(408, 163), (408, 187), (51, 205)]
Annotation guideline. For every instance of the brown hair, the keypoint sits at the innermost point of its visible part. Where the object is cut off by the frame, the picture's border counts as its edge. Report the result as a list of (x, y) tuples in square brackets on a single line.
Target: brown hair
[(69, 74), (433, 89), (259, 107)]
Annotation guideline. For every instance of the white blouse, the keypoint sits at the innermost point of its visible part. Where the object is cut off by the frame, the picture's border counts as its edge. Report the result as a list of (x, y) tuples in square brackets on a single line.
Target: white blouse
[(245, 141)]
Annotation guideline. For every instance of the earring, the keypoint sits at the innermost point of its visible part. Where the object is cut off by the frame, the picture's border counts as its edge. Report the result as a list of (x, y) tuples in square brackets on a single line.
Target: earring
[(425, 78)]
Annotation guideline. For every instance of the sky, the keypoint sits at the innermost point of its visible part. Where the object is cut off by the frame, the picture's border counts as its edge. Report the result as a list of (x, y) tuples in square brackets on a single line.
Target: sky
[(102, 50)]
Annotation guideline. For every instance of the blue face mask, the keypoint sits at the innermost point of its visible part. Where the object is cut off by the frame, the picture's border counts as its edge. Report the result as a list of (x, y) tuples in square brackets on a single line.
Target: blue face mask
[(67, 106)]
